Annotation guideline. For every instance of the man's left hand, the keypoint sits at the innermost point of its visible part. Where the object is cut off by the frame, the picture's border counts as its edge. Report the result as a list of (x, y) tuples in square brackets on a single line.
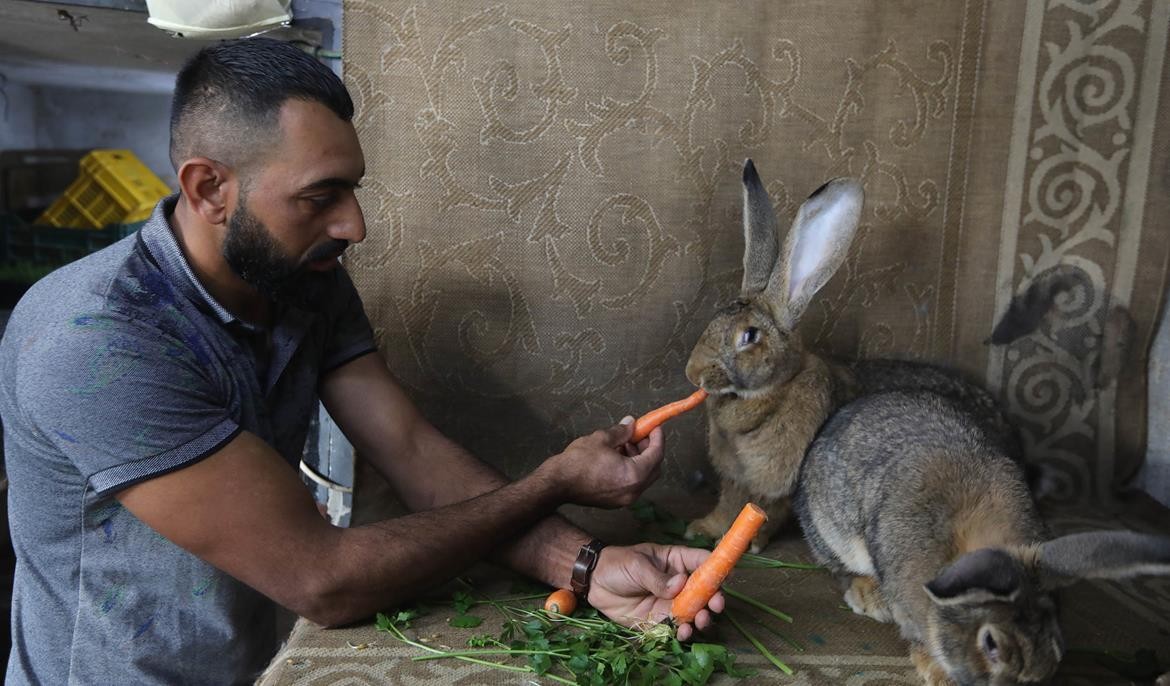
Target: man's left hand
[(637, 583)]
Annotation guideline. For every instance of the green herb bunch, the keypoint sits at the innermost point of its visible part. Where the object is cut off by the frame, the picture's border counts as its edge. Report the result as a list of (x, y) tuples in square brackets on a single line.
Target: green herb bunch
[(584, 649)]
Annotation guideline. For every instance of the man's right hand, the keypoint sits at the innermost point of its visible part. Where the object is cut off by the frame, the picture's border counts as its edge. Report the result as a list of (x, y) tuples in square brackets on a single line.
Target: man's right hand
[(603, 469)]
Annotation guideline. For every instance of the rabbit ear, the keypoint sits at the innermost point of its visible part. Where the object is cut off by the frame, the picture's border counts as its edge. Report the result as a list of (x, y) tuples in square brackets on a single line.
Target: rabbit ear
[(816, 246), (1101, 555), (979, 576), (760, 245)]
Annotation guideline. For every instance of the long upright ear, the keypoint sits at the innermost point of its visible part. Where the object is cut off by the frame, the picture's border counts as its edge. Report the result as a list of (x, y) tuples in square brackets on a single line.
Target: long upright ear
[(979, 576), (760, 245), (1101, 555), (815, 247)]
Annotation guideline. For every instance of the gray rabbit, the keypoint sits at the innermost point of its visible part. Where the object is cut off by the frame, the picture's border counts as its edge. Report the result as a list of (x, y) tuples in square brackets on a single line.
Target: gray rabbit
[(911, 498)]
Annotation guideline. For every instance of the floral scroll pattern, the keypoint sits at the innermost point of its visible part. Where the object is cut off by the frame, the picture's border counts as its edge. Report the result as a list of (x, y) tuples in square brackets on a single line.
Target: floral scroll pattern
[(553, 202), (553, 215), (1075, 168), (552, 224)]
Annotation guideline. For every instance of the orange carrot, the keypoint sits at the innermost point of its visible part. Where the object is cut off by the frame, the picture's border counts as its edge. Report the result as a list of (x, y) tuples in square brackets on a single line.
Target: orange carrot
[(704, 582), (561, 600), (647, 422)]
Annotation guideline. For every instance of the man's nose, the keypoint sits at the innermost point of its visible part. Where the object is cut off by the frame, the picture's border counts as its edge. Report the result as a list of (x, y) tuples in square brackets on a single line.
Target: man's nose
[(350, 225)]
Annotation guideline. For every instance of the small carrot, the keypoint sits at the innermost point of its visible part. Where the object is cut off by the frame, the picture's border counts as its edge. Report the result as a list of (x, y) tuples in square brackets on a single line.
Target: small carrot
[(705, 581), (647, 422), (562, 601)]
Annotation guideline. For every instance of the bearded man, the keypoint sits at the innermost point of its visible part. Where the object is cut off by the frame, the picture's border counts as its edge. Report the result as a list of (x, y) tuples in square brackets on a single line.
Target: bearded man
[(156, 397)]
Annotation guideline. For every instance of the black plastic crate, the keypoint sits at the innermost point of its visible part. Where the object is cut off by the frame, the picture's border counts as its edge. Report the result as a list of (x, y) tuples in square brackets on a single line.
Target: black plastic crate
[(21, 242)]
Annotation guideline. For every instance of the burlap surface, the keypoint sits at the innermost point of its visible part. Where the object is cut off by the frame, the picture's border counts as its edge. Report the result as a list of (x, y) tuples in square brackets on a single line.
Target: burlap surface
[(553, 201), (840, 647), (553, 205)]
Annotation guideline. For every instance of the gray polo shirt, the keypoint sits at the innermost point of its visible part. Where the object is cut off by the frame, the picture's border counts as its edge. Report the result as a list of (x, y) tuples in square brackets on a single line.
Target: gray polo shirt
[(115, 369)]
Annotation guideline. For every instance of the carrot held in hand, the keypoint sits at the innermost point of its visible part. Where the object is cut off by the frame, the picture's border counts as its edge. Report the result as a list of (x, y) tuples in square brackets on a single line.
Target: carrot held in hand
[(561, 600), (705, 581), (647, 422)]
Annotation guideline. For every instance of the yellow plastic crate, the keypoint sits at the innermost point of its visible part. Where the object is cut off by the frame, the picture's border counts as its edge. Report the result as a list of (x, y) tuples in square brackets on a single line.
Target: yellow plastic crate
[(113, 187)]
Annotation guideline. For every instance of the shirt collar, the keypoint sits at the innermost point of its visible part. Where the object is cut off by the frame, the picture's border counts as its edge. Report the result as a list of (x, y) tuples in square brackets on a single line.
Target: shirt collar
[(289, 324), (159, 240)]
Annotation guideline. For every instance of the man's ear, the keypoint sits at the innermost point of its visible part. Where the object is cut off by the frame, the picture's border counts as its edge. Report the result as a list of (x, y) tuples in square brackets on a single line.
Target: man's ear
[(209, 187)]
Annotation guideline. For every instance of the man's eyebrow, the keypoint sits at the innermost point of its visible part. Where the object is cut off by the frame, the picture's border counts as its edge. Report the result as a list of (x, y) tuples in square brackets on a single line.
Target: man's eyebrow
[(331, 182)]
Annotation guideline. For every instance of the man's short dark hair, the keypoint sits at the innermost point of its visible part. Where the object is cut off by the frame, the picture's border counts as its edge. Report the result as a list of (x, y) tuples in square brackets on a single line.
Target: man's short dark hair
[(228, 97)]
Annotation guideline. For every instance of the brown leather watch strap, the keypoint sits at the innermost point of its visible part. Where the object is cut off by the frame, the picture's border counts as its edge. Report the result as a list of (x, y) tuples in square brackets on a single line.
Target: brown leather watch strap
[(584, 566)]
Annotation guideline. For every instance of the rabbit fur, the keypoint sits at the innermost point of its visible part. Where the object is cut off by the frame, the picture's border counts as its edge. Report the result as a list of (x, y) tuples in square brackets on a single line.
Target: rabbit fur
[(768, 394), (910, 498)]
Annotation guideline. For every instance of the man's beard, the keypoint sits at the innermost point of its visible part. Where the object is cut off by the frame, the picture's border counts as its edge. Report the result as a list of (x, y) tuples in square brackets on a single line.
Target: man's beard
[(255, 257)]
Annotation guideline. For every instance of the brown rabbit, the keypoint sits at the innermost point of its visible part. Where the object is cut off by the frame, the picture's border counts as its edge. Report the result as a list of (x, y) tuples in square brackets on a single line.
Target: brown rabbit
[(768, 393), (912, 501)]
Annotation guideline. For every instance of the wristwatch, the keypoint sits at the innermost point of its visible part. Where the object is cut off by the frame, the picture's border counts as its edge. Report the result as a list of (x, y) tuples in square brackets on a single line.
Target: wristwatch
[(583, 568)]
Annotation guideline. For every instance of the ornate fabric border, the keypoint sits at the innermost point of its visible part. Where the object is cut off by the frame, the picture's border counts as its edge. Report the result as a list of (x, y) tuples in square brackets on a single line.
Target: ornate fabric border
[(1078, 172)]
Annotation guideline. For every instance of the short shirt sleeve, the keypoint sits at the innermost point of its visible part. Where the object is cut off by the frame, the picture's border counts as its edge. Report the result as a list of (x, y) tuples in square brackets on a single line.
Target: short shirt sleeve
[(122, 400), (350, 333)]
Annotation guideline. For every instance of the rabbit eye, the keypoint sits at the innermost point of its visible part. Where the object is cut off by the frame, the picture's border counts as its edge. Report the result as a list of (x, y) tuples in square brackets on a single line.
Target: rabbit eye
[(749, 336), (990, 647)]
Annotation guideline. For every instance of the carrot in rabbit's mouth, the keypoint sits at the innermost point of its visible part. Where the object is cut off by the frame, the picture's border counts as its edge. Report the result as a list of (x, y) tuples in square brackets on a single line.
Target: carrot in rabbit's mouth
[(647, 422), (704, 582)]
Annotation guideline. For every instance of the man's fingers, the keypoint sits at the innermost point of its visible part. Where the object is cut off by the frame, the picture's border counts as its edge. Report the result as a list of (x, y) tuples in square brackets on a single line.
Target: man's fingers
[(655, 441), (652, 455), (655, 581), (716, 603), (686, 557), (703, 620), (619, 434)]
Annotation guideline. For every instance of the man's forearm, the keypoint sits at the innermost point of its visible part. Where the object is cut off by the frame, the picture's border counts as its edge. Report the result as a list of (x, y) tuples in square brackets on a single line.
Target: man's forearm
[(545, 551), (436, 472), (382, 564)]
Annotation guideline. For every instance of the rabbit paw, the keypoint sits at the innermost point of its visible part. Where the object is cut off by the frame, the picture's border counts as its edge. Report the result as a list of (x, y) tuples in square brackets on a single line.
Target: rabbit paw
[(865, 598), (930, 671), (713, 526)]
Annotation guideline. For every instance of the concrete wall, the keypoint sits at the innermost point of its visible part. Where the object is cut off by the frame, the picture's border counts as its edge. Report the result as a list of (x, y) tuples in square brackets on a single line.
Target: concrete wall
[(17, 115), (60, 116), (136, 121)]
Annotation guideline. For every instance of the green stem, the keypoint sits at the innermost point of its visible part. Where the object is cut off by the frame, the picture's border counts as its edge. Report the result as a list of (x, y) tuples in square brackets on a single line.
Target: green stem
[(489, 601), (773, 563), (534, 596), (486, 663), (759, 646), (502, 651), (757, 604), (494, 603), (590, 624), (797, 646)]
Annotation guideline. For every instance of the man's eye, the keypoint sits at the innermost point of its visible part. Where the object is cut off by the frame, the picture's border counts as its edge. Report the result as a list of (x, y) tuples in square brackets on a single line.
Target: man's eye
[(321, 201)]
